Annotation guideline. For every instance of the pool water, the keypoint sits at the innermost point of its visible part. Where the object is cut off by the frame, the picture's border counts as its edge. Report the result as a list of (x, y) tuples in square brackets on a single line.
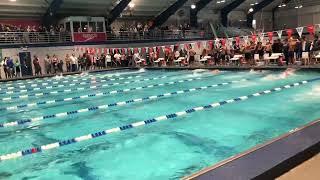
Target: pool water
[(168, 149)]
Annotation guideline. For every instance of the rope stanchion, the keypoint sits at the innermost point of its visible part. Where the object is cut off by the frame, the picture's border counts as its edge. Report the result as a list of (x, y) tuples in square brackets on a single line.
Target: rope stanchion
[(101, 133), (106, 106)]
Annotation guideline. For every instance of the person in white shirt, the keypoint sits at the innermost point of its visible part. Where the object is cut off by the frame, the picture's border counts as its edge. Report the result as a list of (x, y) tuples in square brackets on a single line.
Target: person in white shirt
[(108, 59), (176, 55), (74, 62), (117, 58)]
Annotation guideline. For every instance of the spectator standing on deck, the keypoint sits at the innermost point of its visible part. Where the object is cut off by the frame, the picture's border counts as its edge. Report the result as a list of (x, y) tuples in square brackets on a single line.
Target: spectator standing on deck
[(54, 63), (192, 53), (17, 66), (10, 67), (68, 62), (74, 62), (47, 64), (36, 65)]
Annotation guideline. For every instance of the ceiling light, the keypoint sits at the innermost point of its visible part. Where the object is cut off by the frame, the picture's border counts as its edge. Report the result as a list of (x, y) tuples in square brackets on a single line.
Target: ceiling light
[(12, 0), (131, 5), (193, 6)]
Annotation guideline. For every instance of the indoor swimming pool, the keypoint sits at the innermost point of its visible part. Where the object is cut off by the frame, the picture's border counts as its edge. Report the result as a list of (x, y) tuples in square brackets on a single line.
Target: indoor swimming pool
[(145, 124)]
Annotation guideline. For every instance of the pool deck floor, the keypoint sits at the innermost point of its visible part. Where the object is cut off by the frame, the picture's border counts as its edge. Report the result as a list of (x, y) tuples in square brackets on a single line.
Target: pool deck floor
[(308, 170)]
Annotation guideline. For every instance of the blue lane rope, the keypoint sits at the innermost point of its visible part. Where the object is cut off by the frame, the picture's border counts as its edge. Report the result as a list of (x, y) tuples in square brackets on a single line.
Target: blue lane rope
[(62, 143), (94, 87), (51, 79), (83, 83), (106, 106), (34, 87)]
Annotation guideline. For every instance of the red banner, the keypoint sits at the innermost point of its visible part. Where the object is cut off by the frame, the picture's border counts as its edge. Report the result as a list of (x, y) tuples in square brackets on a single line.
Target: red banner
[(89, 37)]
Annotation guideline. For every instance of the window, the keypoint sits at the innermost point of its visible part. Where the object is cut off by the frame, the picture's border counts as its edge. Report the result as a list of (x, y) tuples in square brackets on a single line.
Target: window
[(68, 28), (84, 26), (92, 27), (99, 26), (76, 27)]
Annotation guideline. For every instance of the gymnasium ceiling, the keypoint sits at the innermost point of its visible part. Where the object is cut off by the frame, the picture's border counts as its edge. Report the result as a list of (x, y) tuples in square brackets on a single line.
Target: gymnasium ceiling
[(142, 8)]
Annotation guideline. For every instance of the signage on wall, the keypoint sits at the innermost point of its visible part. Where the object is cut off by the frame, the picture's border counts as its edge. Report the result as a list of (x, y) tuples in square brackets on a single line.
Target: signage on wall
[(89, 37)]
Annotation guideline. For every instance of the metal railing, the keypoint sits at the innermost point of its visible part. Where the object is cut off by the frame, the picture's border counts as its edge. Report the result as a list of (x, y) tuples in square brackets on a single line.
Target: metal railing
[(43, 37), (157, 35), (33, 37)]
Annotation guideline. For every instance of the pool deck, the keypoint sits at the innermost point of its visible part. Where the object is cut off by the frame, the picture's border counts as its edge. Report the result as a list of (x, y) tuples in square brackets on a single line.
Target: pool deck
[(309, 170), (269, 160)]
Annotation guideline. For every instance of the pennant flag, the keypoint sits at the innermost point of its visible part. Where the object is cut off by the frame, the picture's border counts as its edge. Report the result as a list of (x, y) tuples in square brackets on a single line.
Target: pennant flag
[(246, 39), (223, 42), (270, 35), (289, 32), (300, 30), (238, 40), (172, 47), (204, 44), (254, 37), (210, 44), (154, 49), (199, 44), (279, 33), (261, 37), (311, 29)]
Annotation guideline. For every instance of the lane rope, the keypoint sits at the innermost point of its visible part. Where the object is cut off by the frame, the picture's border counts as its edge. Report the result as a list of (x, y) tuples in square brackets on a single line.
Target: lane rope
[(43, 85), (90, 87), (83, 83), (50, 79), (87, 137), (98, 94), (106, 106)]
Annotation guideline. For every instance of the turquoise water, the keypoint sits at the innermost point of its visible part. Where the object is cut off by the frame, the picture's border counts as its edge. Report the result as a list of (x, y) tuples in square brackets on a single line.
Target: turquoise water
[(165, 150)]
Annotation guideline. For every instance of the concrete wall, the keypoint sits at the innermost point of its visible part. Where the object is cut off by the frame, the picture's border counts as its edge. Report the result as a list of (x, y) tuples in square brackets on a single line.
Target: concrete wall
[(297, 17)]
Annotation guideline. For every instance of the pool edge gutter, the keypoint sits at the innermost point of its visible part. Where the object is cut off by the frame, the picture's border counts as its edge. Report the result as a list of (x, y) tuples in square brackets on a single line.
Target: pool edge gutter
[(268, 160)]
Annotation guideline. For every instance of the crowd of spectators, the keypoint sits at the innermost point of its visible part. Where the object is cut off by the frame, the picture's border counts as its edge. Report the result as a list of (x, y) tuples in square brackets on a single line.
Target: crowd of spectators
[(31, 34), (143, 31), (291, 51)]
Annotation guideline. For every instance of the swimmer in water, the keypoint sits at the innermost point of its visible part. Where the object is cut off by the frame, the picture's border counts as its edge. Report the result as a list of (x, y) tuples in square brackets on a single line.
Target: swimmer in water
[(216, 71), (288, 72)]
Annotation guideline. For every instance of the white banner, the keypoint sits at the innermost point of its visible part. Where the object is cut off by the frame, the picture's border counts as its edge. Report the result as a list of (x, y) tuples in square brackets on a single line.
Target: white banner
[(279, 33), (300, 30)]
